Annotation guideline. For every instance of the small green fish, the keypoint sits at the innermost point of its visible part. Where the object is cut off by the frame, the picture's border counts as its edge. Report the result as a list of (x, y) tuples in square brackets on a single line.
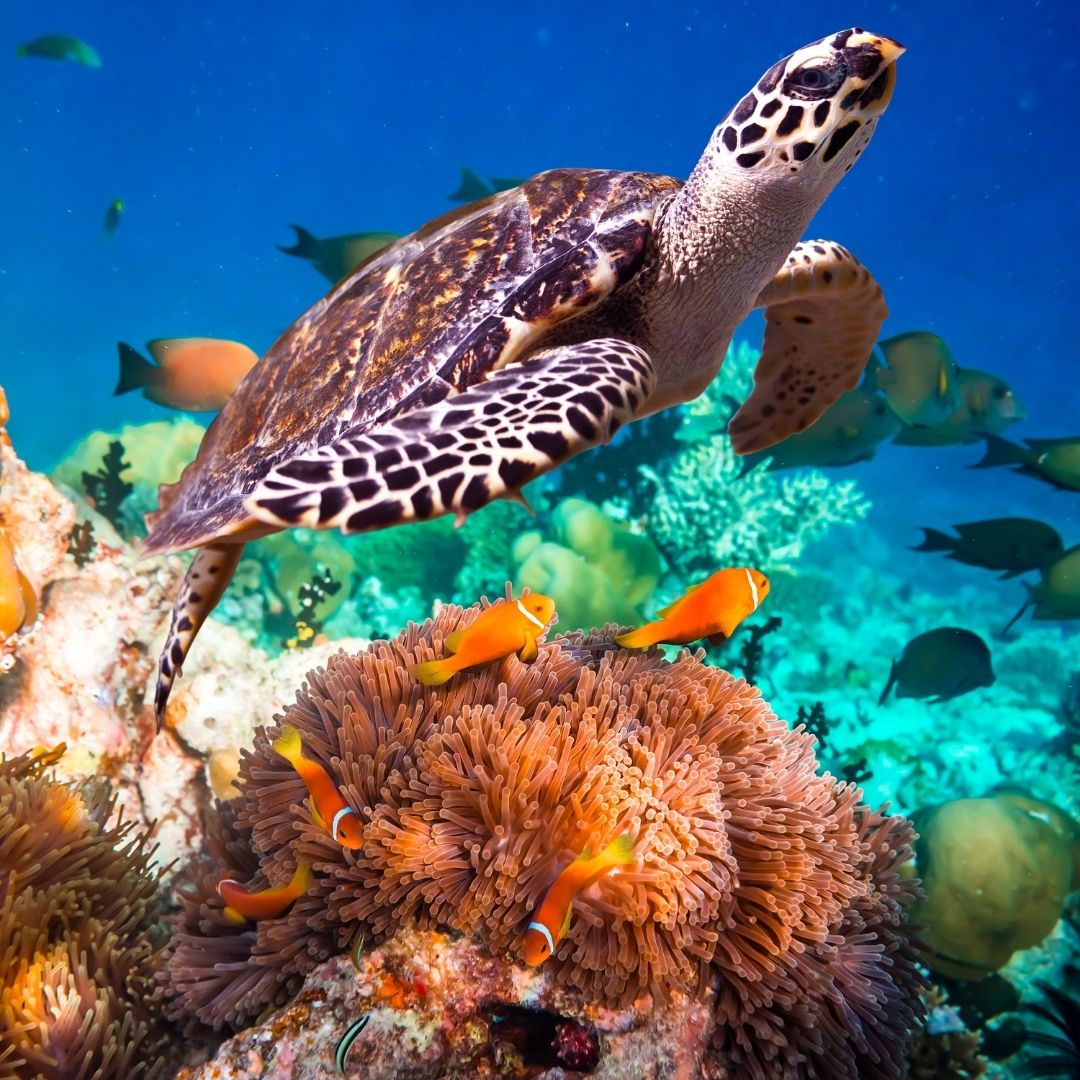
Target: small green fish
[(1012, 545), (1057, 596), (1054, 461), (940, 665), (336, 256), (112, 217), (988, 407), (919, 380), (60, 47), (474, 187), (846, 432)]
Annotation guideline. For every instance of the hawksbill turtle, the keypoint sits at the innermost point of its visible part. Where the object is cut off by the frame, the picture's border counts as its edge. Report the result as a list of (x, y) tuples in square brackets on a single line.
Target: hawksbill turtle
[(467, 358)]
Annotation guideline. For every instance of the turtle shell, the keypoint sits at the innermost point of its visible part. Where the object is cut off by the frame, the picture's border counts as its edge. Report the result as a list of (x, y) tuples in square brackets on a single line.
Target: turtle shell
[(432, 314)]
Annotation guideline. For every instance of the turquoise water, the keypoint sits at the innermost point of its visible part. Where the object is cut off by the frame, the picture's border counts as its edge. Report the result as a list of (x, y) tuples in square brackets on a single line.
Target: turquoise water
[(219, 128)]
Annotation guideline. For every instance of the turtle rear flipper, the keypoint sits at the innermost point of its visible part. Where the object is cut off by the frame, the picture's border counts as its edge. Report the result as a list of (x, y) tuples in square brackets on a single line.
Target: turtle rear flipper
[(823, 312), (207, 578), (458, 454)]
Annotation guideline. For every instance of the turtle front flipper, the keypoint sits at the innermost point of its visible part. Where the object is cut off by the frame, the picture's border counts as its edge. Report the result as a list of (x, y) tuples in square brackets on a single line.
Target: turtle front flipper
[(206, 579), (458, 454), (823, 312)]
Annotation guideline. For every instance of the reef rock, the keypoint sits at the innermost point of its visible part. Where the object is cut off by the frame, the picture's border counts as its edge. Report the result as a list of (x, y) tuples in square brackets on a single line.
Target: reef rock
[(442, 1007)]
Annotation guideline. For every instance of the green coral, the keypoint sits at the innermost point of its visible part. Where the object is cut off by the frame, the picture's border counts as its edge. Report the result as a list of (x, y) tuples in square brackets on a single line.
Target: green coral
[(596, 569)]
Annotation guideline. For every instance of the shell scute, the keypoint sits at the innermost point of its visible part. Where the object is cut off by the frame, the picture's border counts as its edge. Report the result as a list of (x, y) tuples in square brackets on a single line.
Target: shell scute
[(435, 312)]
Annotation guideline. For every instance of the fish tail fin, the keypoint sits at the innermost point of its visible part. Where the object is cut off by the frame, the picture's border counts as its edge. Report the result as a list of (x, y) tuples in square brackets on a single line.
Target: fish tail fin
[(620, 852), (889, 685), (135, 370), (642, 637), (935, 540), (289, 745), (307, 245), (1000, 451), (1009, 625), (434, 672), (233, 915), (302, 878)]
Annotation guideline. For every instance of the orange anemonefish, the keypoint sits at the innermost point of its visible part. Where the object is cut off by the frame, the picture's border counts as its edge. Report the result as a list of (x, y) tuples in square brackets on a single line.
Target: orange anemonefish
[(712, 609), (328, 808), (192, 374), (508, 626), (18, 602), (242, 905), (551, 919)]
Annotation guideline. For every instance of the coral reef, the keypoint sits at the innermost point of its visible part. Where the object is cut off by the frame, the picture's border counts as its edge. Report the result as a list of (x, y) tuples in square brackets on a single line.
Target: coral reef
[(943, 1048), (996, 872), (599, 570), (708, 512), (79, 942), (751, 868)]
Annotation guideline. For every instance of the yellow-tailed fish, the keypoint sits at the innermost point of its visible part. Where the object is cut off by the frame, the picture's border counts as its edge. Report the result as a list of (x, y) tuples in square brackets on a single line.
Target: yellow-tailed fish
[(241, 905), (551, 919), (332, 812), (508, 626), (710, 610)]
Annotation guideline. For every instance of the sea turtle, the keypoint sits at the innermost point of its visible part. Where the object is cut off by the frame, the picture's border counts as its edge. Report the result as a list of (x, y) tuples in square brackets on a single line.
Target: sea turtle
[(495, 342)]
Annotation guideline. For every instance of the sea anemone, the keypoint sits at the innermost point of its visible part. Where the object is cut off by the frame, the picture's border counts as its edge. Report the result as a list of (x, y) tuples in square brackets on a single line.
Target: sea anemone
[(79, 944), (752, 871)]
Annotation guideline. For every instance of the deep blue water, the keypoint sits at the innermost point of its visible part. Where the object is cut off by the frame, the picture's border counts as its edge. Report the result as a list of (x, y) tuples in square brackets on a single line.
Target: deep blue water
[(219, 128)]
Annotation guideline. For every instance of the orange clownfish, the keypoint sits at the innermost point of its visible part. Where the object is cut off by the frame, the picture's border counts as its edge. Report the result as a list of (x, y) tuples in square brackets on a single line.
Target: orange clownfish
[(328, 808), (710, 610), (508, 626), (241, 905), (551, 919), (193, 374), (18, 603)]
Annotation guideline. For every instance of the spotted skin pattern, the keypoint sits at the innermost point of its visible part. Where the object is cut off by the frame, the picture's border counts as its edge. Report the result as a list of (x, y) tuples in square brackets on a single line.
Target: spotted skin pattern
[(823, 313), (459, 454), (205, 581), (456, 364)]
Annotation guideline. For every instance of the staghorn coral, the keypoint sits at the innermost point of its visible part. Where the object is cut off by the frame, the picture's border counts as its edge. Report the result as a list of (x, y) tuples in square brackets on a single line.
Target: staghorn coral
[(105, 487), (752, 871), (79, 948)]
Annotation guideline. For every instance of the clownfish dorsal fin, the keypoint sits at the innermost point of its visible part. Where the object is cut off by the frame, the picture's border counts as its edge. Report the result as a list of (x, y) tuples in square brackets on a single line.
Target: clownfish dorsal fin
[(453, 641)]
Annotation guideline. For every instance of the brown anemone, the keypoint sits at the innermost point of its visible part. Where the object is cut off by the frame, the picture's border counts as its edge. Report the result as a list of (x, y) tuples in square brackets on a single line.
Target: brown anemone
[(752, 870), (79, 941)]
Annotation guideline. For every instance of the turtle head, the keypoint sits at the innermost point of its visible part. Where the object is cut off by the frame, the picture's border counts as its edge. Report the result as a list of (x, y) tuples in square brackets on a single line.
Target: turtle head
[(811, 114)]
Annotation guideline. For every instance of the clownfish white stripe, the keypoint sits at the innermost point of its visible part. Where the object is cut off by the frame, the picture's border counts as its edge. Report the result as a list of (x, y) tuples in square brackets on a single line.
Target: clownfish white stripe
[(337, 820), (540, 928), (529, 615), (753, 589)]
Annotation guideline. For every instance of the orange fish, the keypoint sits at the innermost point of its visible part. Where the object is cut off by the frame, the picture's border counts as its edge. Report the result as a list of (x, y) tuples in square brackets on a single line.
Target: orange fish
[(710, 610), (193, 374), (241, 905), (327, 805), (551, 919), (5, 412), (508, 626), (18, 603)]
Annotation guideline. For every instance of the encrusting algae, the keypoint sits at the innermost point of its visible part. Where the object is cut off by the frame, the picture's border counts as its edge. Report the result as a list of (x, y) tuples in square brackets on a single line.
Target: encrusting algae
[(751, 873)]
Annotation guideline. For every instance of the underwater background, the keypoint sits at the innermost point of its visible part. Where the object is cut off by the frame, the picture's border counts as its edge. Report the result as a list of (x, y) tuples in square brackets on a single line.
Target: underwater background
[(218, 127)]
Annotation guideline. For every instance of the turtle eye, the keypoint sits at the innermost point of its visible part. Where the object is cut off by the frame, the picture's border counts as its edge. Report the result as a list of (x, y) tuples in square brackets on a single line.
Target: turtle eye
[(816, 80)]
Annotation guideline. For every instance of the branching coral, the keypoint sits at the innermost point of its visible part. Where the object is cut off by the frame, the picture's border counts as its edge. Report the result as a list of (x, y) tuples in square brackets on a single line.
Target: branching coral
[(709, 512), (751, 869), (79, 948)]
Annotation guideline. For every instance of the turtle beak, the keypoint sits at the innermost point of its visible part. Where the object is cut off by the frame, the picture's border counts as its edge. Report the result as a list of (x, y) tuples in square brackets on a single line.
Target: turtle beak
[(875, 99)]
